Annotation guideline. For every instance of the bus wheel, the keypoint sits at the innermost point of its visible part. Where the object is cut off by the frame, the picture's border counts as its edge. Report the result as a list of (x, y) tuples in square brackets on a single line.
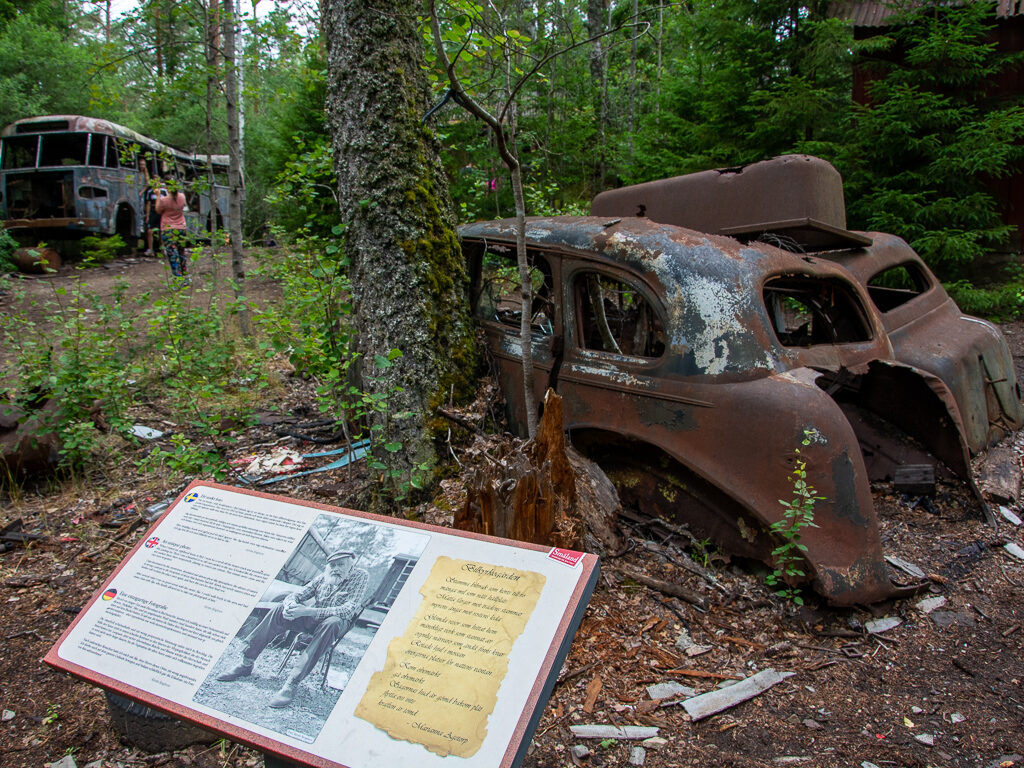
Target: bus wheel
[(124, 225)]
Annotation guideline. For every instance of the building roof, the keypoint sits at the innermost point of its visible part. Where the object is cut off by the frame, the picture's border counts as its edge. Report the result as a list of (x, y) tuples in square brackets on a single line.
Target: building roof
[(869, 13)]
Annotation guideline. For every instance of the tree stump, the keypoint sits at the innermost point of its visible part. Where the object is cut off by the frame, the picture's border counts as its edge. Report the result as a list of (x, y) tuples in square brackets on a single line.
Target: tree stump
[(543, 492)]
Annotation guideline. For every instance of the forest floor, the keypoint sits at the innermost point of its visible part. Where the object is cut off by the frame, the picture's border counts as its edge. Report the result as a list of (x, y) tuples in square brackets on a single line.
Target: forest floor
[(944, 688)]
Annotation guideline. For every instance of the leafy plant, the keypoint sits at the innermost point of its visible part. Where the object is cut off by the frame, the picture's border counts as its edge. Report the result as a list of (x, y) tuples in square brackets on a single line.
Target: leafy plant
[(76, 363), (101, 250), (7, 247), (52, 714), (701, 551), (797, 515)]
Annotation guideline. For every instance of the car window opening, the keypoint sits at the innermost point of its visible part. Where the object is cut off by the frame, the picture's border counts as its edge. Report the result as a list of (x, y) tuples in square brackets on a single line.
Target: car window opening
[(895, 286), (501, 297), (615, 317), (806, 311)]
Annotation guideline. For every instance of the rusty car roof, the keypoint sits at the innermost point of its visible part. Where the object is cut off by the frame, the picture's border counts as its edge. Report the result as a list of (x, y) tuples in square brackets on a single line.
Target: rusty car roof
[(711, 284)]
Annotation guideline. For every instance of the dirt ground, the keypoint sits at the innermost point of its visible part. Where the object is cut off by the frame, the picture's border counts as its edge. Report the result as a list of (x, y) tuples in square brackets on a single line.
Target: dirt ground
[(940, 689)]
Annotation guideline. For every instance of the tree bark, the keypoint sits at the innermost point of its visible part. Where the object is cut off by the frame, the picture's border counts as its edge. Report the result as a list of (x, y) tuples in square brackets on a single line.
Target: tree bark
[(408, 277)]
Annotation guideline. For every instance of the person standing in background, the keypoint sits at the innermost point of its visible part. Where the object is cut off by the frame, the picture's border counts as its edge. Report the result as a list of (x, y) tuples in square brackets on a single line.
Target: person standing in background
[(171, 207)]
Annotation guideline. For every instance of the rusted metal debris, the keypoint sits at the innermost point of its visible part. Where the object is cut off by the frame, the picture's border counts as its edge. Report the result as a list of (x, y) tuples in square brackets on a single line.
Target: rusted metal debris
[(692, 366)]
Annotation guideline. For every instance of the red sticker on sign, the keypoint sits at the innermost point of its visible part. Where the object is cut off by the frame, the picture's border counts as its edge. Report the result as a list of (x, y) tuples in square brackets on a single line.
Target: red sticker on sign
[(567, 556)]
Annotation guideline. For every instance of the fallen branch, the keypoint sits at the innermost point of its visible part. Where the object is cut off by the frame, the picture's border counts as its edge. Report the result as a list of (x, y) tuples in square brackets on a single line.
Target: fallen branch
[(115, 539), (665, 587), (461, 421), (26, 633), (28, 580)]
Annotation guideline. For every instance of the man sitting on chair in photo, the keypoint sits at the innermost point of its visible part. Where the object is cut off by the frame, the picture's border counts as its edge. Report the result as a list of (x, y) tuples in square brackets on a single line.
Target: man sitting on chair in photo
[(326, 608)]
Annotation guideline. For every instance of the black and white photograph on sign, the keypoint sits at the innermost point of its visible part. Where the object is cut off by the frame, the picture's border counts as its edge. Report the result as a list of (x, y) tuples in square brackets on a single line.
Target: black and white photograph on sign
[(293, 656)]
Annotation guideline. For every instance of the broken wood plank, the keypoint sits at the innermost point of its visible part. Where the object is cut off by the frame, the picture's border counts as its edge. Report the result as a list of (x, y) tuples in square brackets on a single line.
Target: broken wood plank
[(597, 731), (713, 702), (1000, 475), (908, 568), (915, 479)]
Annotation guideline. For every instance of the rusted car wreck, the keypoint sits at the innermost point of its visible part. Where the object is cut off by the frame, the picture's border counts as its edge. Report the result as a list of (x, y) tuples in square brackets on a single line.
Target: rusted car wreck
[(693, 356)]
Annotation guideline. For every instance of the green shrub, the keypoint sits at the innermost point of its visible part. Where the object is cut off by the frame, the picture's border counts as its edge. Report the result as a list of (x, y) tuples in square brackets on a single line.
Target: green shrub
[(100, 250), (7, 247), (997, 302)]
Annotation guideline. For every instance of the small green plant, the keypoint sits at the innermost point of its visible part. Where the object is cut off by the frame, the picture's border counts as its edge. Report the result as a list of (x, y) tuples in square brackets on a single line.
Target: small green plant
[(797, 515), (100, 250), (52, 714), (702, 551)]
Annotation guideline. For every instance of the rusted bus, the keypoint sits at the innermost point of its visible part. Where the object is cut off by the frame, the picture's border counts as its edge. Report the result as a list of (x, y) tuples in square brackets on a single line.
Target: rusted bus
[(63, 177), (691, 366)]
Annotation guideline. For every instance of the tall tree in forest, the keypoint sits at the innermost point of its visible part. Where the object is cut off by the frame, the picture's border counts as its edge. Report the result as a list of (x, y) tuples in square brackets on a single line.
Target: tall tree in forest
[(408, 277), (922, 153), (234, 110)]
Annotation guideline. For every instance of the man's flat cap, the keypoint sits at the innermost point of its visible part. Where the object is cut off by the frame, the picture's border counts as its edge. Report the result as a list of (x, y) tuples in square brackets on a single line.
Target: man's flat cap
[(340, 554)]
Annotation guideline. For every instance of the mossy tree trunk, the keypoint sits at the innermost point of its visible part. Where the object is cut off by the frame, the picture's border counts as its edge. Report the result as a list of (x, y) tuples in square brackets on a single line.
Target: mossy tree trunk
[(409, 280)]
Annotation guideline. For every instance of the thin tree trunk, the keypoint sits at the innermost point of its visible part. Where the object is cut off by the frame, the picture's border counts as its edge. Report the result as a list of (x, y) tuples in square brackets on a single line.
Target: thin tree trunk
[(211, 23), (234, 165), (632, 85), (158, 42), (598, 73)]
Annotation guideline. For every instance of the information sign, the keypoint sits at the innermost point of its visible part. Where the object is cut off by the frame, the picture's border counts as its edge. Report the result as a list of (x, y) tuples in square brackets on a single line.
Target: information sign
[(332, 637)]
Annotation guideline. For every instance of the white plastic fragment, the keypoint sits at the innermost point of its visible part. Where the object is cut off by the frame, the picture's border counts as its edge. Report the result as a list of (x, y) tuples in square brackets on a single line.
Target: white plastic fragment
[(655, 742), (68, 761), (8, 715), (1014, 550), (637, 756), (929, 604), (1009, 516), (669, 690), (713, 702), (146, 433), (878, 626), (581, 751), (956, 717), (925, 738), (596, 731), (867, 764), (904, 566)]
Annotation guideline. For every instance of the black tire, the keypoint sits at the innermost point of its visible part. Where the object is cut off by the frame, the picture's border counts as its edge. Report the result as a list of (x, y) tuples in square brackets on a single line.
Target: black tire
[(150, 729)]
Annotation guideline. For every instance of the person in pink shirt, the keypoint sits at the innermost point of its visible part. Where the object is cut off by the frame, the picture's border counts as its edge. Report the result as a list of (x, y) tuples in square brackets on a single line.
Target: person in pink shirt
[(171, 207)]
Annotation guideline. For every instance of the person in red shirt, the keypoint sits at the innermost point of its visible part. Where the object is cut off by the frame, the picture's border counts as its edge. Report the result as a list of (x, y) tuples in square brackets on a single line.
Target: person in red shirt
[(171, 207)]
